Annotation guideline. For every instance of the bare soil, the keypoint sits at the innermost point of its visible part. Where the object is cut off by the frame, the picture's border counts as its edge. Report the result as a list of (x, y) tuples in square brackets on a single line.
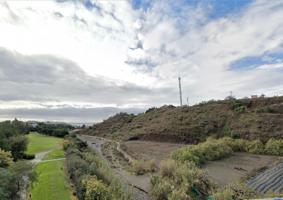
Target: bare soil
[(146, 150), (237, 167)]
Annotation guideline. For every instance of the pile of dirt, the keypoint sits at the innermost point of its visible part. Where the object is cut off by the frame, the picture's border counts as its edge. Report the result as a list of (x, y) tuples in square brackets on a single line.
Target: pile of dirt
[(243, 118)]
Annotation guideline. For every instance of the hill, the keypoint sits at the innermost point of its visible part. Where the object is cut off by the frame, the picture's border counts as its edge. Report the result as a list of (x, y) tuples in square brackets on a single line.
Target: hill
[(240, 118)]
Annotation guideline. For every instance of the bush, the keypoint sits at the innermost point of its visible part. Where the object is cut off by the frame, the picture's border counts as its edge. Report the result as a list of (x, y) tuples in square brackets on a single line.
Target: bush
[(274, 147), (150, 165), (236, 145), (28, 156), (5, 158), (66, 144), (254, 146), (233, 192), (141, 167), (212, 149), (240, 109), (8, 187), (18, 146), (180, 181), (266, 109), (189, 153), (167, 168), (95, 189)]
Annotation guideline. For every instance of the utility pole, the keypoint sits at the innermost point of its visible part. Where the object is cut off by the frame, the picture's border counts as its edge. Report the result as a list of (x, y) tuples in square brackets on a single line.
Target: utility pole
[(180, 91)]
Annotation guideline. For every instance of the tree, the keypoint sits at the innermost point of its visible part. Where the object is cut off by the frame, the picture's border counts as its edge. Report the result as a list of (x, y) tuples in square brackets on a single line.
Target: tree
[(18, 146), (7, 186), (22, 169)]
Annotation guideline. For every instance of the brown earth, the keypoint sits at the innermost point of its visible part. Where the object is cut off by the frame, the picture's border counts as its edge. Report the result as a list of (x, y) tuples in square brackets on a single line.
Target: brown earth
[(238, 167), (147, 150), (245, 118)]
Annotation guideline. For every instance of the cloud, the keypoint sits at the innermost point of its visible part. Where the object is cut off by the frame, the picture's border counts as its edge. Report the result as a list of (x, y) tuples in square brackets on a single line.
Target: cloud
[(97, 54), (201, 50), (46, 78)]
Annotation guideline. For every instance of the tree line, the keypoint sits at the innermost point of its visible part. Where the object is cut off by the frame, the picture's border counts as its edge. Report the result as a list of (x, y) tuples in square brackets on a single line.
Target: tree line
[(13, 168)]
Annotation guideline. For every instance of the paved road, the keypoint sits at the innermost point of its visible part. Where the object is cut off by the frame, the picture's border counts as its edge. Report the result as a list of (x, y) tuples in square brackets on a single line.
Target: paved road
[(140, 184)]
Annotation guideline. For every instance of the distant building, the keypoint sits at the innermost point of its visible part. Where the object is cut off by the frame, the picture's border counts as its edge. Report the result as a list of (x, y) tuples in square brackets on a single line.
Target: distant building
[(32, 123), (254, 96)]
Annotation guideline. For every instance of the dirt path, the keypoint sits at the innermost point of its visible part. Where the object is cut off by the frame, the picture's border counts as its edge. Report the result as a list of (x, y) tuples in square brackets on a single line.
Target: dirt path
[(140, 184), (238, 166), (39, 156)]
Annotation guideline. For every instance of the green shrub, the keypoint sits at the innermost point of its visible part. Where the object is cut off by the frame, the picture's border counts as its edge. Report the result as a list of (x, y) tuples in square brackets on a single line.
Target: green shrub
[(266, 109), (161, 188), (240, 109), (212, 149), (28, 156), (254, 146), (237, 145), (236, 104), (233, 192), (95, 189), (188, 153), (274, 147), (66, 144), (179, 181), (5, 158)]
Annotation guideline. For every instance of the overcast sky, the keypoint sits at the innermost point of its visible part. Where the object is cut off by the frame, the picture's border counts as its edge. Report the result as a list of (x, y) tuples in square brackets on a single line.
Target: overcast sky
[(82, 61)]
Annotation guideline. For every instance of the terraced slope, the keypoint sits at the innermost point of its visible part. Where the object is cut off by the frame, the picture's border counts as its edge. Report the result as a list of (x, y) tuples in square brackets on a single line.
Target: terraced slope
[(269, 180)]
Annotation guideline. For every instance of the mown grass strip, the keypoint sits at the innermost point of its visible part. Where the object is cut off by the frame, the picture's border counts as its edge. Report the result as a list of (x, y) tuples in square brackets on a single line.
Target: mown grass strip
[(55, 154), (51, 182), (40, 143)]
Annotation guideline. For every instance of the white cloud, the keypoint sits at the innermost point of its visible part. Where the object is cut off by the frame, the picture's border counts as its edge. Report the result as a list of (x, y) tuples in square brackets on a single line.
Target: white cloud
[(138, 54), (202, 54), (97, 40)]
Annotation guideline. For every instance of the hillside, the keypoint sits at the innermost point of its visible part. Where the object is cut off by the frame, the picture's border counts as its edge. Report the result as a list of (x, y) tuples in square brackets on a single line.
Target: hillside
[(244, 118)]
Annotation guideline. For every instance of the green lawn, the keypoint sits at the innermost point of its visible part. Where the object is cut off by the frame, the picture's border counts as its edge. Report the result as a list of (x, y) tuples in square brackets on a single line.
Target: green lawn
[(52, 183), (40, 143), (57, 153)]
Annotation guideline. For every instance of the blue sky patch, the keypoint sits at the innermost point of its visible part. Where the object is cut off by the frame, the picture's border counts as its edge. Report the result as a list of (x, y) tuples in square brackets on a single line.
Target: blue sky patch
[(220, 8), (252, 62)]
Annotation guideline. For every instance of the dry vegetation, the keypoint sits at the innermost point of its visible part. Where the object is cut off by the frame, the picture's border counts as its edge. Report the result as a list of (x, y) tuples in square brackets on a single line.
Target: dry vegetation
[(182, 178), (246, 118)]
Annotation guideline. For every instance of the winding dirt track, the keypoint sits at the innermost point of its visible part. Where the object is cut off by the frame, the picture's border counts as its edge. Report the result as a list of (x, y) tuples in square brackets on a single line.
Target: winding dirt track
[(139, 184)]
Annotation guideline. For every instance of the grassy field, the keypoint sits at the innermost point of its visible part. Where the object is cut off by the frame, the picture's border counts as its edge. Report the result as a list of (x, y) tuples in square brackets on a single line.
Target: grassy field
[(54, 154), (51, 182), (40, 143)]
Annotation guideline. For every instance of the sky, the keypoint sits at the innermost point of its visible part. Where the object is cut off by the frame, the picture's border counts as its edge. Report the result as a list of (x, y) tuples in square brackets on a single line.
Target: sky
[(82, 61)]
